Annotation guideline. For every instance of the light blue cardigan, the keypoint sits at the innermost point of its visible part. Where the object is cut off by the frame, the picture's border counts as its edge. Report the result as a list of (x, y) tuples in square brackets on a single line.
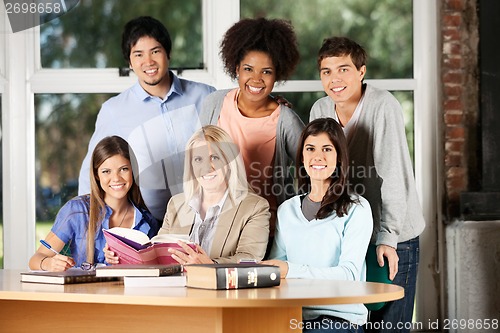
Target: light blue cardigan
[(332, 248)]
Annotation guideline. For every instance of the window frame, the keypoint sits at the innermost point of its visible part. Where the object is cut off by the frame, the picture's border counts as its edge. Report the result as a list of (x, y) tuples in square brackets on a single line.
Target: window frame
[(3, 32), (21, 77)]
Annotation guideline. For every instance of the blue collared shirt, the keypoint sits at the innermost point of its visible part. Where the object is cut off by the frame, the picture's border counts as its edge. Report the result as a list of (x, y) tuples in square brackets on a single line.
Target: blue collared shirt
[(72, 222), (157, 130)]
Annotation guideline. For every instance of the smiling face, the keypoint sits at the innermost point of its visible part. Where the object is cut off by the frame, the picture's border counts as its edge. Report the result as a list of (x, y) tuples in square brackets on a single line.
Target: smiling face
[(256, 76), (341, 80), (319, 157), (115, 177), (209, 167), (149, 61)]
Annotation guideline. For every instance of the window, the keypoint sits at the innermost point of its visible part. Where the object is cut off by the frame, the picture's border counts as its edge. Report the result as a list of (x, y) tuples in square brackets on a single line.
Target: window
[(383, 28), (3, 33), (89, 35), (59, 152)]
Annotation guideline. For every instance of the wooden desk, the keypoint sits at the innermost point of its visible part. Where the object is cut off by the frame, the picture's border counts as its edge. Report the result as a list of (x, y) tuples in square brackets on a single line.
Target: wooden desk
[(109, 307)]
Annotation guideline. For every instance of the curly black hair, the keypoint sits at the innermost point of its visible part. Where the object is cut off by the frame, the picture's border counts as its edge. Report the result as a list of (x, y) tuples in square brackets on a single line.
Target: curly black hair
[(276, 37)]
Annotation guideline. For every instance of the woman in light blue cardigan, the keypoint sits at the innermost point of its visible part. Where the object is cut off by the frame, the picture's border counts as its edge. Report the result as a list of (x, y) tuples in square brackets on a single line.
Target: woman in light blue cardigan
[(324, 233)]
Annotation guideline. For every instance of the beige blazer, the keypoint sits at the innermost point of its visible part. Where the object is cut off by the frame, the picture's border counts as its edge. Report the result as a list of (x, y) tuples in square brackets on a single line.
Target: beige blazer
[(242, 231)]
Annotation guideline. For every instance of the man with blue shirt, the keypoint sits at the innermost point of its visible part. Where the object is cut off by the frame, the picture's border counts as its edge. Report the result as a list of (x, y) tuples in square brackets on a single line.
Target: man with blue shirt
[(156, 116)]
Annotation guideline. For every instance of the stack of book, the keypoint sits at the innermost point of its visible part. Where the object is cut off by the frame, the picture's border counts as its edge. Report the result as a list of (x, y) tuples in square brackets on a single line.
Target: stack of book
[(137, 275), (71, 276), (205, 276)]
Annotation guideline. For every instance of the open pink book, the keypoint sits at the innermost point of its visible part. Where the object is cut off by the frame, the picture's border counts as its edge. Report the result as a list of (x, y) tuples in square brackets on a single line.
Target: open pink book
[(135, 247)]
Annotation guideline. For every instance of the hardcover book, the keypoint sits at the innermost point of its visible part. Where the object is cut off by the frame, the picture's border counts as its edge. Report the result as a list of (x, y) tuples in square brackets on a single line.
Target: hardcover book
[(176, 280), (138, 270), (232, 276), (72, 275), (134, 247)]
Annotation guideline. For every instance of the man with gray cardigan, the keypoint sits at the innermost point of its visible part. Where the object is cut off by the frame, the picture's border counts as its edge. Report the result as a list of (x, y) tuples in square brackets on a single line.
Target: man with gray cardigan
[(380, 169)]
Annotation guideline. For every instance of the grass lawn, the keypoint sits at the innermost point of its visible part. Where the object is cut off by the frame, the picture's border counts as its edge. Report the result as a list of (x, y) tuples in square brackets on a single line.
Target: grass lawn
[(42, 229)]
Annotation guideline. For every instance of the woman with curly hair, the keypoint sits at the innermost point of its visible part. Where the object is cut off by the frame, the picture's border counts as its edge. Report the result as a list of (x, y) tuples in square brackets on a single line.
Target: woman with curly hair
[(258, 53)]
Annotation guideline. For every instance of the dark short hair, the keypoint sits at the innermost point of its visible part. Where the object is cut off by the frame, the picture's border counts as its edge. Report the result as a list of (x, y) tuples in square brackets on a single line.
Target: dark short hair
[(340, 47), (144, 26)]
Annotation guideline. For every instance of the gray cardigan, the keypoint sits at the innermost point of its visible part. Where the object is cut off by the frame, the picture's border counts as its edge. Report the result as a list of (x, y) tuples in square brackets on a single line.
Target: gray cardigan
[(288, 133), (380, 167)]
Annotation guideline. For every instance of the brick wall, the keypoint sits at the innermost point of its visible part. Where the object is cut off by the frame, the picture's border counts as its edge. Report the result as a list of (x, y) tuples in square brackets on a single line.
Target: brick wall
[(460, 101)]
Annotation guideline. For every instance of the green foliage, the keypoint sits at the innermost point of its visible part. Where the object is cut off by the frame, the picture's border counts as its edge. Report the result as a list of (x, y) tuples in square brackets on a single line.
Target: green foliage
[(90, 34), (383, 28)]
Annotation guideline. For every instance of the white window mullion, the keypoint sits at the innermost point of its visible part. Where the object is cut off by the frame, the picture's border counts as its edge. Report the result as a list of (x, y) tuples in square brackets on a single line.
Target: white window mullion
[(426, 97), (4, 27), (218, 16), (18, 152)]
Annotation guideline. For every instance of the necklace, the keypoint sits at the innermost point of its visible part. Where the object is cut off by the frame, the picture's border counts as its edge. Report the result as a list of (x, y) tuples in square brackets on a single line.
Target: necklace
[(123, 218)]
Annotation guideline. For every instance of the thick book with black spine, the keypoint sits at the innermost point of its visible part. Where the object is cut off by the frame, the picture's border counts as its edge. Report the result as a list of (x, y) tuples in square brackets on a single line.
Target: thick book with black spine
[(138, 270), (72, 275), (232, 276), (134, 247)]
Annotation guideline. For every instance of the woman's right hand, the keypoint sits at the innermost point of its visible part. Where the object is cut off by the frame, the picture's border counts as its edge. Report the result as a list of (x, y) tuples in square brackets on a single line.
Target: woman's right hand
[(111, 257), (57, 263)]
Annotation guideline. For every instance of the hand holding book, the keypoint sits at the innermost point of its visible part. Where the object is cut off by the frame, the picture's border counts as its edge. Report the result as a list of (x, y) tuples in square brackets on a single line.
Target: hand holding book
[(188, 255), (110, 256), (133, 247)]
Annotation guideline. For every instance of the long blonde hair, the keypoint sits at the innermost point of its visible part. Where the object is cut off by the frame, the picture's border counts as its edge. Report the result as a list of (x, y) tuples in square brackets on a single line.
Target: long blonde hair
[(106, 148), (219, 140)]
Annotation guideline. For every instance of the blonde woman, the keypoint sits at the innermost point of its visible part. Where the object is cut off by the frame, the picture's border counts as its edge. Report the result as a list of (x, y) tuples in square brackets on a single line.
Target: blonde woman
[(114, 201), (219, 212)]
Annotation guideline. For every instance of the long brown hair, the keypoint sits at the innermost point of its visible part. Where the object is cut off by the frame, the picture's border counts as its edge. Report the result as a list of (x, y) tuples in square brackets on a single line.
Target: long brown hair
[(337, 197), (106, 148)]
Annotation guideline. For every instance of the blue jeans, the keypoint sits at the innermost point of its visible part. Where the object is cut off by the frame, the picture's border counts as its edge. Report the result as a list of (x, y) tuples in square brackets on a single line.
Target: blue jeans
[(328, 324), (396, 316)]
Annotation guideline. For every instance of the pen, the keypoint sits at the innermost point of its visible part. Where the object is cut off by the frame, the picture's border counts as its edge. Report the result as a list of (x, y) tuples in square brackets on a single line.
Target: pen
[(47, 245)]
